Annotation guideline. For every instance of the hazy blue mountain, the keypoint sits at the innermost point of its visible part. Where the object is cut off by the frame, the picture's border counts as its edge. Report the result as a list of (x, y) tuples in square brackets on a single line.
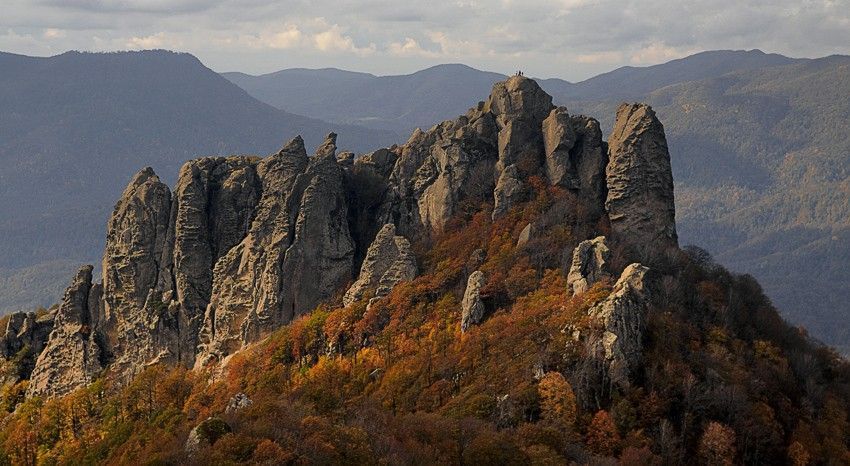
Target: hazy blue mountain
[(402, 103), (75, 127), (760, 146), (399, 103)]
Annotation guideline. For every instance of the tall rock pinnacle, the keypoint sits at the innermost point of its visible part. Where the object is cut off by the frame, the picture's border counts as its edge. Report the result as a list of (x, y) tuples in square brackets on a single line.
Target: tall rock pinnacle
[(640, 181)]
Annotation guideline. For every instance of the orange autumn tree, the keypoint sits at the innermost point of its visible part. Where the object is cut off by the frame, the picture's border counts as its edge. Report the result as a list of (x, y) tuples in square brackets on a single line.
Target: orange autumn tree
[(717, 446), (602, 435)]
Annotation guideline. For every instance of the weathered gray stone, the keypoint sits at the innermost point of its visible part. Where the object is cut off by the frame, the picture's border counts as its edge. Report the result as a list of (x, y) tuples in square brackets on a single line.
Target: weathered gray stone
[(589, 265), (71, 358), (640, 181), (135, 327), (510, 189), (472, 304), (388, 261), (298, 252), (558, 140), (237, 402), (23, 339), (622, 316)]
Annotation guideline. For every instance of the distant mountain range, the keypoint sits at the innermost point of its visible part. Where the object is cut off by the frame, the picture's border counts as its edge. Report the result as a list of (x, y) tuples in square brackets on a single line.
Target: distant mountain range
[(760, 146), (75, 127)]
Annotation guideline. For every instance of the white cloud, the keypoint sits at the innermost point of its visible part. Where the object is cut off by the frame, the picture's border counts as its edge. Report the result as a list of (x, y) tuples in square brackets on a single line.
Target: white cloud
[(53, 33), (410, 48), (153, 41), (333, 40)]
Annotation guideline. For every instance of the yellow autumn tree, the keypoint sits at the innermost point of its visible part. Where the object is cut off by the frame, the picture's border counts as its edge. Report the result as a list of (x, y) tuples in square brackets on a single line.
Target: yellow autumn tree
[(557, 400)]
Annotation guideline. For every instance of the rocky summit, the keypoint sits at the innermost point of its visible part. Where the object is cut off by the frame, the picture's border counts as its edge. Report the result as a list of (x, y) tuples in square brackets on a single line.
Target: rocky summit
[(242, 245)]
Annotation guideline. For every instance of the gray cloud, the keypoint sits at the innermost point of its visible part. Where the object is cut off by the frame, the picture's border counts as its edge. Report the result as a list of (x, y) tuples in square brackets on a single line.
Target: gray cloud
[(572, 39)]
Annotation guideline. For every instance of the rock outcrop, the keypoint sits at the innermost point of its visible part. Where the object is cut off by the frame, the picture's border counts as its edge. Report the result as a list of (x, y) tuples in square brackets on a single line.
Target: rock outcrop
[(519, 107), (22, 341), (297, 253), (72, 355), (640, 181), (575, 159), (472, 306), (589, 265), (135, 327), (388, 261), (622, 316)]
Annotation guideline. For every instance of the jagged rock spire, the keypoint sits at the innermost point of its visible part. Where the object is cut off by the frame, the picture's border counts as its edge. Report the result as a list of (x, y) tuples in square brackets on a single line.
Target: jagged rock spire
[(72, 355), (640, 181)]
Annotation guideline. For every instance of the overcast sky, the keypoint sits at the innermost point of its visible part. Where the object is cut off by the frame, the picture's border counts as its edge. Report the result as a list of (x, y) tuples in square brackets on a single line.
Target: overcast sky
[(571, 39)]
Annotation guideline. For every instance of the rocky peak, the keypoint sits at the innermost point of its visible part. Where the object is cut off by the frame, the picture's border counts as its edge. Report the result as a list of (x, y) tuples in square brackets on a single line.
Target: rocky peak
[(640, 181), (519, 98)]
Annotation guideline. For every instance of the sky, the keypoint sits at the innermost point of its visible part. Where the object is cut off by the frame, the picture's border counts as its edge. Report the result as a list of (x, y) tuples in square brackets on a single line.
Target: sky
[(569, 39)]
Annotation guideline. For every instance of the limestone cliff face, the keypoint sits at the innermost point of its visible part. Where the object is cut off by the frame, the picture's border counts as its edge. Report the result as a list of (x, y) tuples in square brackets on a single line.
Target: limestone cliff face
[(242, 245), (214, 202), (640, 181), (72, 355)]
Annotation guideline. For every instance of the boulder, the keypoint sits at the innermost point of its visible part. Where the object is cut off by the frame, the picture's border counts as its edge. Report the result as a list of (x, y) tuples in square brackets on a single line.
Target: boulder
[(473, 308), (205, 434), (589, 265), (640, 181), (237, 402)]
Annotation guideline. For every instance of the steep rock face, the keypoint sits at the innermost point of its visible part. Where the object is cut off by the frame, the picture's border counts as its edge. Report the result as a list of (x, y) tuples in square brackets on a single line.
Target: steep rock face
[(589, 265), (622, 316), (22, 341), (388, 261), (298, 252), (575, 158), (135, 328), (320, 259), (438, 170), (214, 202), (248, 286), (71, 357), (472, 306), (640, 181)]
